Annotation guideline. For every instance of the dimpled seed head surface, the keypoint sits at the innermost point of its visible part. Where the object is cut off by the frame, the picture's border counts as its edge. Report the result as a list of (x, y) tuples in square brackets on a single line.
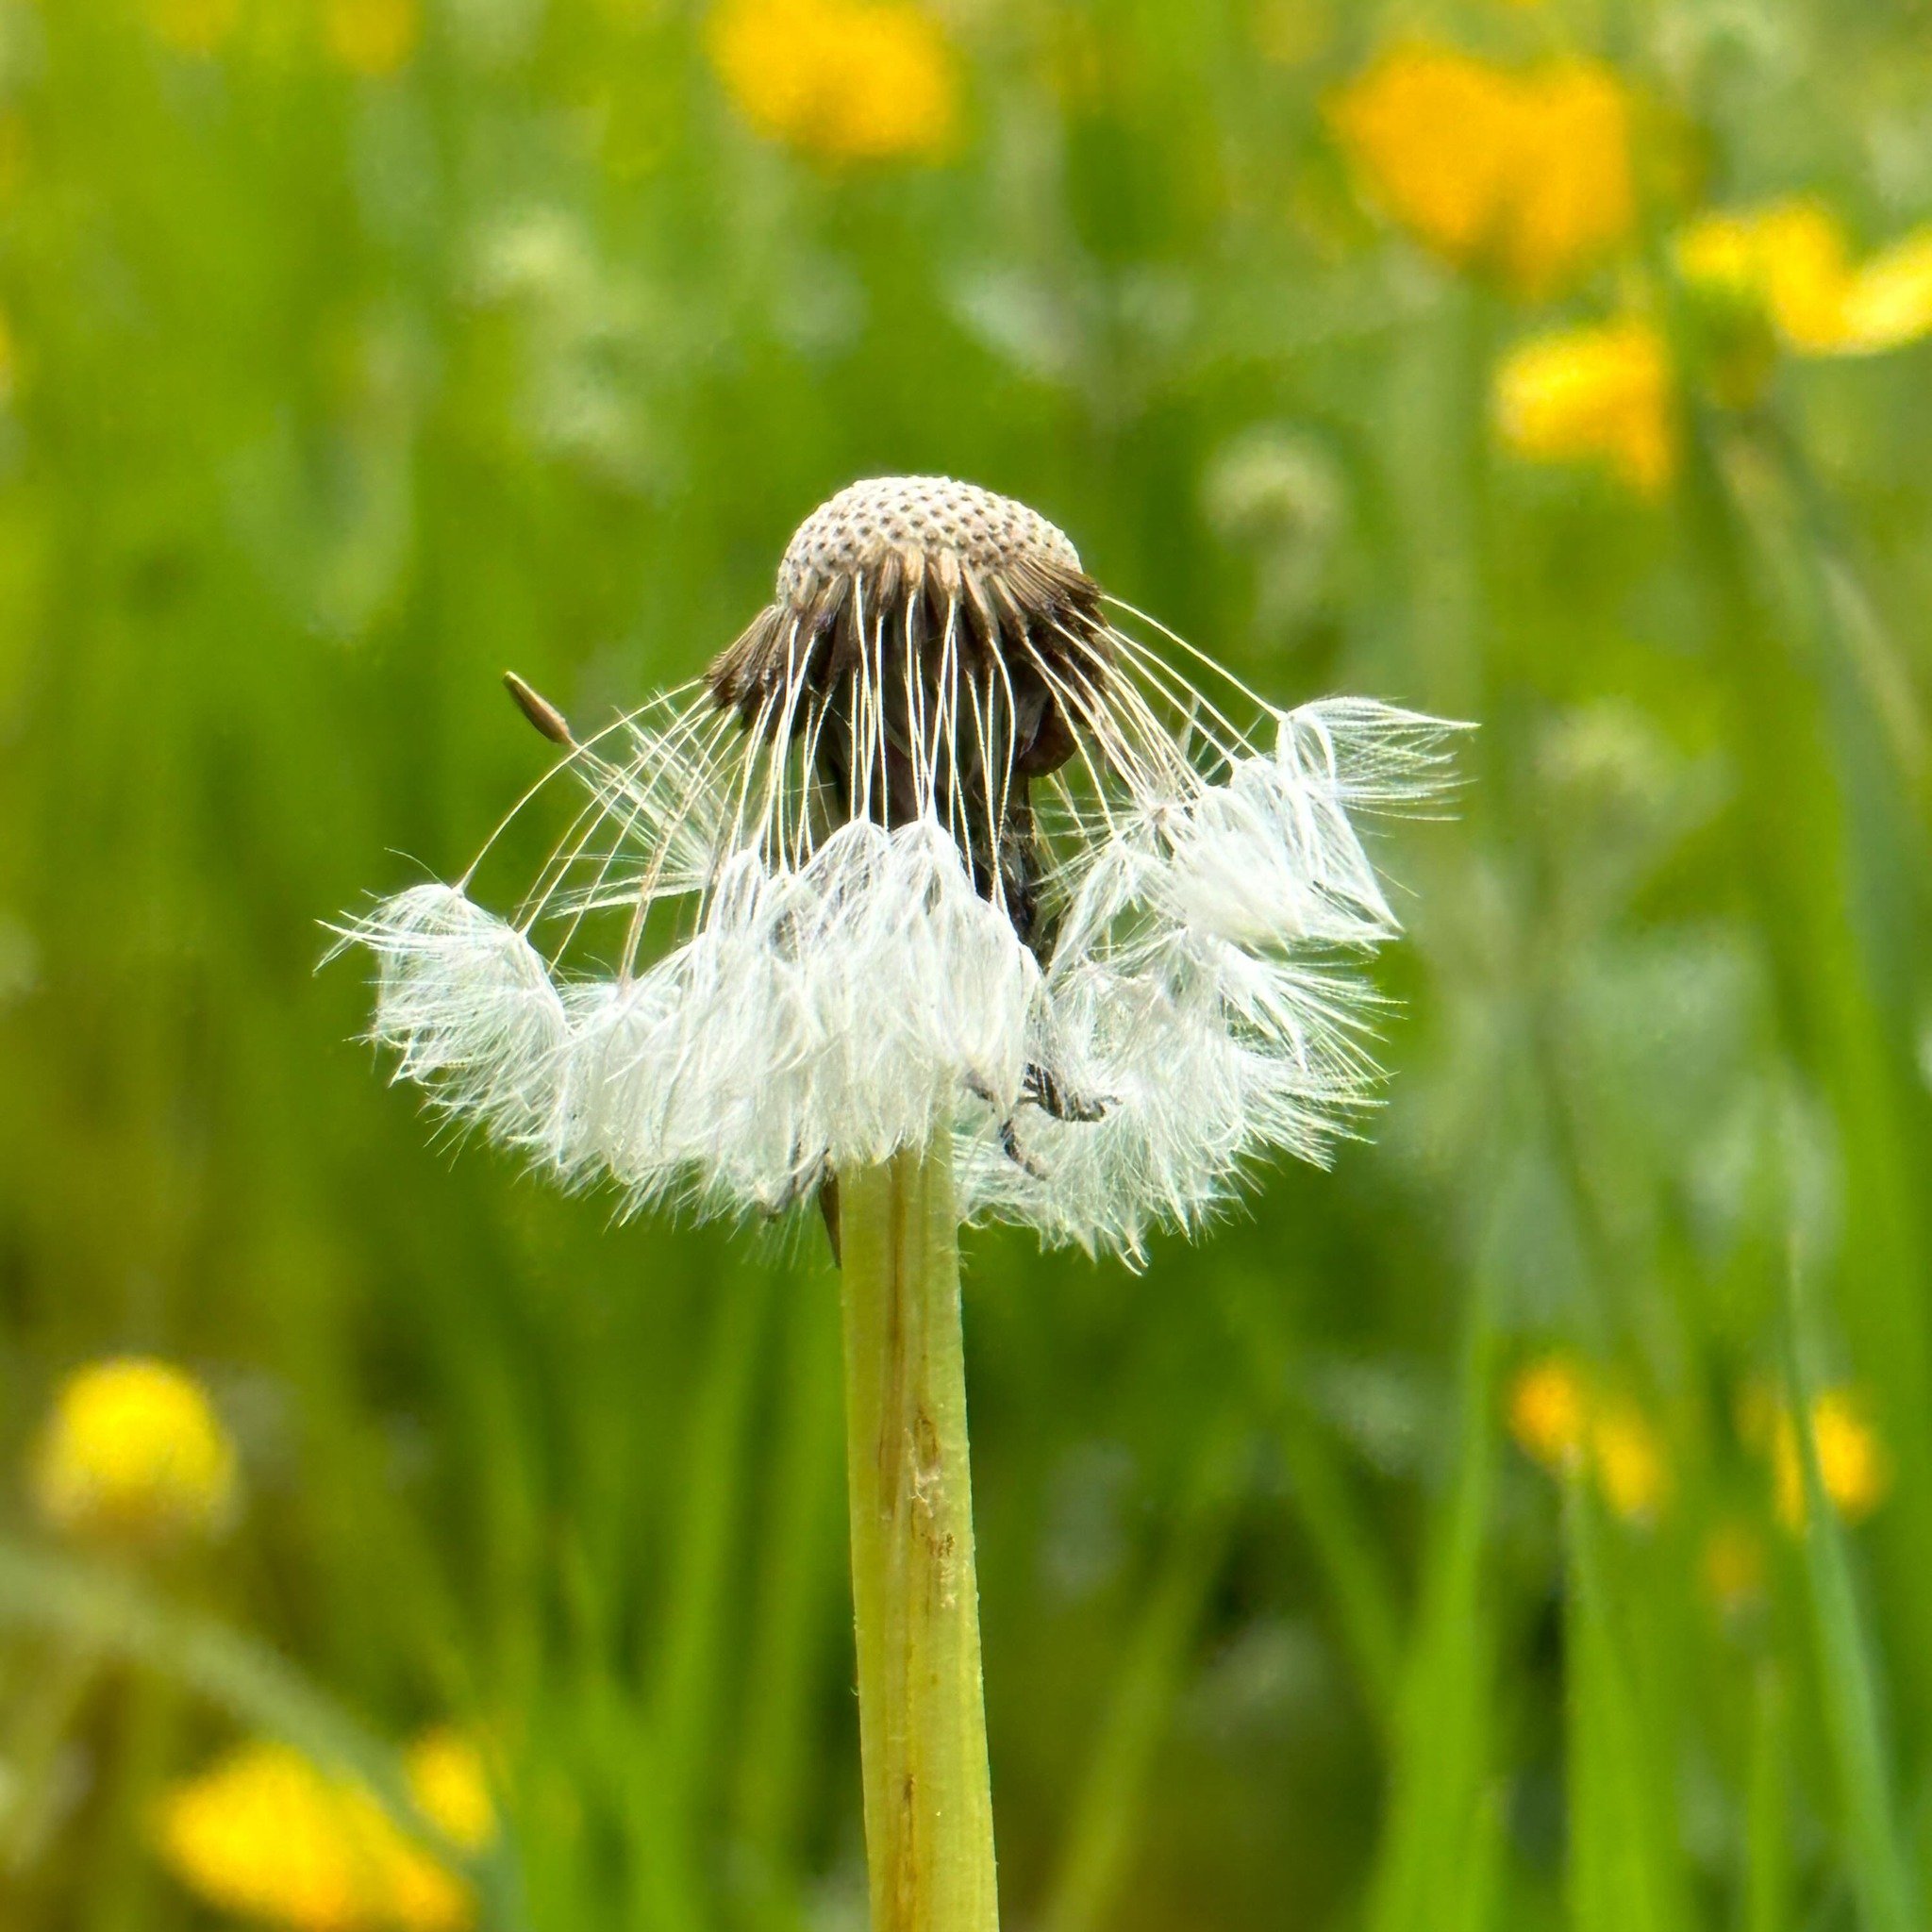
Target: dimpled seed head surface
[(928, 514)]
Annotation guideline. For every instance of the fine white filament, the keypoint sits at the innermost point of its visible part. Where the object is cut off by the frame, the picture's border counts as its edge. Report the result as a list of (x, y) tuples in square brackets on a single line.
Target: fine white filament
[(734, 979)]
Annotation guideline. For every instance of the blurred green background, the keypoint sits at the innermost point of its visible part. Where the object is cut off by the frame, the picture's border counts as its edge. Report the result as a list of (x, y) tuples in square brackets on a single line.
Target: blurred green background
[(1429, 1547)]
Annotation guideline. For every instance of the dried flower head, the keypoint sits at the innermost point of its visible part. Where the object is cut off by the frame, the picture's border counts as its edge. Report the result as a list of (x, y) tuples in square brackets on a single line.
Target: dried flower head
[(134, 1449), (938, 843)]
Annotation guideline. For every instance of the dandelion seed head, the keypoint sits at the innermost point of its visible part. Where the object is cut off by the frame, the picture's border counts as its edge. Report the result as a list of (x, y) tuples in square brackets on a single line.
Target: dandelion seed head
[(942, 843)]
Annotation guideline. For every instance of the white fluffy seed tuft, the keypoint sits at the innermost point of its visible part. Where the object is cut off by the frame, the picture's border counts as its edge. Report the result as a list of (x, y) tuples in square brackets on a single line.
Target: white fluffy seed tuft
[(1119, 994)]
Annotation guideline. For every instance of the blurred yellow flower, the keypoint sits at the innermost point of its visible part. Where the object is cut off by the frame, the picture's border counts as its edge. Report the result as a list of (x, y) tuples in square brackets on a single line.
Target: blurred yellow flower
[(1560, 1419), (1888, 301), (267, 1835), (1603, 393), (1522, 172), (842, 80), (372, 38), (193, 26), (448, 1780), (134, 1448), (1549, 1412), (1733, 1567), (1789, 258), (1628, 1459), (1793, 260), (1852, 1459)]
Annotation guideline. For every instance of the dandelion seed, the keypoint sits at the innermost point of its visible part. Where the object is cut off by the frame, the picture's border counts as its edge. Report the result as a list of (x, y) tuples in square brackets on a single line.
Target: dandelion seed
[(134, 1450), (941, 842)]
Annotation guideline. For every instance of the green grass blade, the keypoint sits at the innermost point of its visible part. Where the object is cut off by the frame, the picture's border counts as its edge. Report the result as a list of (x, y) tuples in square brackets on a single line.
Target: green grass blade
[(1880, 1872), (1106, 1812)]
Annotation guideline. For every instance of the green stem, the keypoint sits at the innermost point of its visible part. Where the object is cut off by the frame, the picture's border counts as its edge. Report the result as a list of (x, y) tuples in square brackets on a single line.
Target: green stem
[(921, 1714)]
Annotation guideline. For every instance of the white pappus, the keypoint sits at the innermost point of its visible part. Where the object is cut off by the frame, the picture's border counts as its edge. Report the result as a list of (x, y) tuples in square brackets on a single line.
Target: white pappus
[(938, 843)]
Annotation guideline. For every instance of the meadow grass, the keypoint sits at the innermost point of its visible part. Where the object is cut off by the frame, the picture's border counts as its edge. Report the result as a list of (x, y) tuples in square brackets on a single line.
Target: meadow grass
[(355, 349)]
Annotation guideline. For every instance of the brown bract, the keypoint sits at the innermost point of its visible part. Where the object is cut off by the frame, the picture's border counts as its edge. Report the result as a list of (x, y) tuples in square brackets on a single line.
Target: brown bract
[(931, 647)]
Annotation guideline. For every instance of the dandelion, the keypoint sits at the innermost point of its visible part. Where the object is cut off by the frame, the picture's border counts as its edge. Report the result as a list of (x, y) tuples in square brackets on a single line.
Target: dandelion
[(372, 38), (1853, 1464), (941, 895), (842, 80), (1525, 173), (134, 1450), (1604, 393), (267, 1834), (956, 851)]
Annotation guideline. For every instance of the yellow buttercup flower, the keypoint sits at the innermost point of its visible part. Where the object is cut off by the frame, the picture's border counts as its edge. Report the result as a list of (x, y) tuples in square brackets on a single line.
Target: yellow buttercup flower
[(842, 80), (134, 1448), (1549, 1412), (1522, 172), (1603, 393), (1888, 300), (1628, 1459), (372, 38), (1561, 1419), (1789, 258), (267, 1835), (1852, 1459), (1793, 260), (448, 1780)]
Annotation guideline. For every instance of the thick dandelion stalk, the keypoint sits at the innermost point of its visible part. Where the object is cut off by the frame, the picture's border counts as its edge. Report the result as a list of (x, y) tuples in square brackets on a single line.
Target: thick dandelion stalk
[(921, 1712)]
